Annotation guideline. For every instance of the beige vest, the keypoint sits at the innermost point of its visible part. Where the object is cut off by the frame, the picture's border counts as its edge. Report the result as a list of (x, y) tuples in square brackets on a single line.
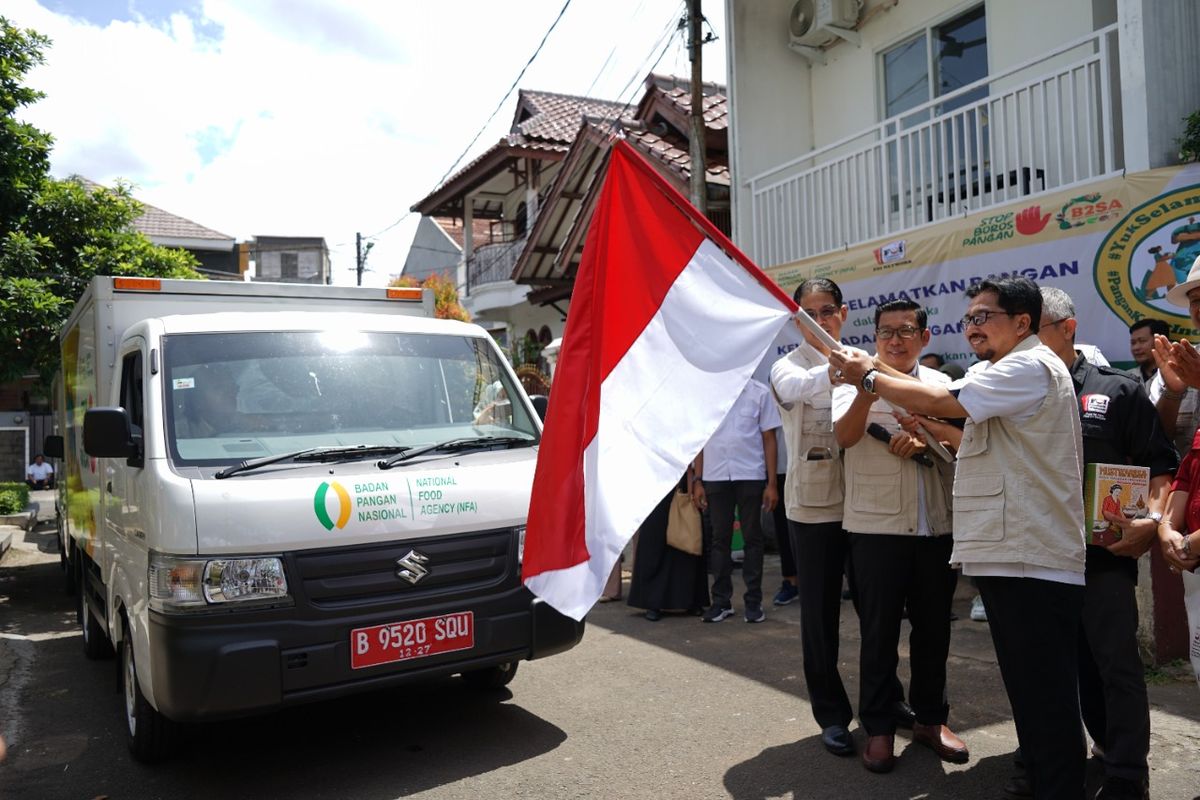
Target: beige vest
[(813, 488), (1018, 494), (881, 489)]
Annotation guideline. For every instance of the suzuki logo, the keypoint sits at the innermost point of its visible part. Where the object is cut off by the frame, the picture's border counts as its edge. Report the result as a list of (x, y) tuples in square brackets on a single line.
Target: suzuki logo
[(412, 567)]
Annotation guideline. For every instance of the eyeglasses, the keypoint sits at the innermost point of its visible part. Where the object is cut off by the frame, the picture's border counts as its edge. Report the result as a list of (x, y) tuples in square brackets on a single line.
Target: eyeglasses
[(825, 312), (1055, 322), (905, 332), (981, 317)]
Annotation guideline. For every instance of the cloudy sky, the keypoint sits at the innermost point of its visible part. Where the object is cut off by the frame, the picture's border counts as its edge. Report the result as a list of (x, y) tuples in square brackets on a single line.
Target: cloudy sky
[(319, 117)]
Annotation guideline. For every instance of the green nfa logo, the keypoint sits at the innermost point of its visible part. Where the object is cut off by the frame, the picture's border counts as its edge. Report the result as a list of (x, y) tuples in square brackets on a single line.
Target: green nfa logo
[(321, 508)]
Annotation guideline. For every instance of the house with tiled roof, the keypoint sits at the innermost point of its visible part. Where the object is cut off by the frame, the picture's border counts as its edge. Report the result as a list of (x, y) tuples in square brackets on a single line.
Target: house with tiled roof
[(217, 252), (497, 196), (535, 189), (659, 130)]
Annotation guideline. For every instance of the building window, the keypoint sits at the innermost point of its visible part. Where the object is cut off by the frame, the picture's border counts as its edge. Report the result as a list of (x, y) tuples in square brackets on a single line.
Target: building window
[(289, 266), (941, 59)]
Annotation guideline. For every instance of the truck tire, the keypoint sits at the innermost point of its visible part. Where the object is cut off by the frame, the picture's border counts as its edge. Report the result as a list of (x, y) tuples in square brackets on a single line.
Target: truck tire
[(150, 736), (95, 638), (496, 677)]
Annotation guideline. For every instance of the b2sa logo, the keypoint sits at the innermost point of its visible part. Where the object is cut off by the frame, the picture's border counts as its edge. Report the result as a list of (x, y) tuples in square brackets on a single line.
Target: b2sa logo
[(1101, 207)]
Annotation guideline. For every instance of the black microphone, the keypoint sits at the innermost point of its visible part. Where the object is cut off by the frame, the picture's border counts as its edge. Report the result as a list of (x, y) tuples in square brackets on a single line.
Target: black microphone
[(877, 431)]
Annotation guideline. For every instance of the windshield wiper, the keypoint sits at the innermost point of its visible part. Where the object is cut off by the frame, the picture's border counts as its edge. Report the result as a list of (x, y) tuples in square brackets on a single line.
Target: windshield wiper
[(454, 446), (313, 454)]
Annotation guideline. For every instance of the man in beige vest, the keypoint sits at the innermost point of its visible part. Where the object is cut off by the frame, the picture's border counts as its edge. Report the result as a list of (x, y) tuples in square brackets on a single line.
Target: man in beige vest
[(1018, 511), (897, 515)]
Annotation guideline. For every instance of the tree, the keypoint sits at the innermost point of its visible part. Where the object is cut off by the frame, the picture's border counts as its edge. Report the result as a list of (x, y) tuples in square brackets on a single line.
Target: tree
[(445, 295), (55, 235)]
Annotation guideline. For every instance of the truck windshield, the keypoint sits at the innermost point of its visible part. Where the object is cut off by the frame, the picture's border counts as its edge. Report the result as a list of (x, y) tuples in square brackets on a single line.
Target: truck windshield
[(236, 396)]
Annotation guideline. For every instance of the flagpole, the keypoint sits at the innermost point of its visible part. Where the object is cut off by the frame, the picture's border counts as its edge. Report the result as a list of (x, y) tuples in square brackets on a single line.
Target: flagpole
[(824, 338)]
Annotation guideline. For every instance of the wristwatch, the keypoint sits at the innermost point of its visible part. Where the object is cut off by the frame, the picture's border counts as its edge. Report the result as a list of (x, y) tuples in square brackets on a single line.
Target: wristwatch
[(1154, 515), (868, 380)]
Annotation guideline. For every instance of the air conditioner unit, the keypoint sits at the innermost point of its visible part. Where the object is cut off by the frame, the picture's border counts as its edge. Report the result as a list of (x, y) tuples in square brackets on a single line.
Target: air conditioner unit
[(814, 24)]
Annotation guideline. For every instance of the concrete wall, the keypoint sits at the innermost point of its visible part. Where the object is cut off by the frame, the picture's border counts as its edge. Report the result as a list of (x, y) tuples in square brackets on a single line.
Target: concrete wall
[(431, 251)]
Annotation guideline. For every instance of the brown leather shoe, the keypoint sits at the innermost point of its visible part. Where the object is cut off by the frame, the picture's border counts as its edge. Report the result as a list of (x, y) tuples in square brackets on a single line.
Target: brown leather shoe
[(878, 755), (941, 740)]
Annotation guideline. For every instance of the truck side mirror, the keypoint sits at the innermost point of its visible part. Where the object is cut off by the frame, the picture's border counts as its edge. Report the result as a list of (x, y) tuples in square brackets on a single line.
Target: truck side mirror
[(52, 447), (540, 403), (108, 433)]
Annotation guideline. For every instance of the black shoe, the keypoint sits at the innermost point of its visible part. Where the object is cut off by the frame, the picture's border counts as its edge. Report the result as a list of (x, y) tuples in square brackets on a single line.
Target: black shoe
[(837, 740), (1018, 787), (1115, 788), (653, 614), (903, 714)]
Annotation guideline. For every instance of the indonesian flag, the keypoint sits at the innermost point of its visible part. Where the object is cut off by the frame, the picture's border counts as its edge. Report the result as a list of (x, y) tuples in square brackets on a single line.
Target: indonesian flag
[(668, 321)]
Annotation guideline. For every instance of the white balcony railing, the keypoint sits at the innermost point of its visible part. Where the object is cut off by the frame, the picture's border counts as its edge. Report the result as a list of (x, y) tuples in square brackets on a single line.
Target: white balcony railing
[(1042, 125)]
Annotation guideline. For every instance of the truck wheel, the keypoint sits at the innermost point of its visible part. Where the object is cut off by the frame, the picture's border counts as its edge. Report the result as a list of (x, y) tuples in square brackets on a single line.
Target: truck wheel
[(95, 637), (150, 735), (496, 677)]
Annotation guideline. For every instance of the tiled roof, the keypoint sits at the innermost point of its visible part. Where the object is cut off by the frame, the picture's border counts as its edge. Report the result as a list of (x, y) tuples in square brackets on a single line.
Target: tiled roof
[(677, 158), (555, 118), (677, 91), (156, 222)]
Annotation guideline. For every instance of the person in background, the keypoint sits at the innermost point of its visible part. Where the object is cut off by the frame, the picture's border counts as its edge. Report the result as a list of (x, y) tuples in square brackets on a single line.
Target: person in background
[(664, 577), (1174, 390), (39, 474), (1018, 511), (897, 513), (1119, 426), (737, 469), (788, 593), (1141, 347), (933, 361)]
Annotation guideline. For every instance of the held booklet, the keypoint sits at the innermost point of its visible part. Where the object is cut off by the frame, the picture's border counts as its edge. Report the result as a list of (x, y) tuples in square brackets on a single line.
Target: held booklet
[(1113, 488)]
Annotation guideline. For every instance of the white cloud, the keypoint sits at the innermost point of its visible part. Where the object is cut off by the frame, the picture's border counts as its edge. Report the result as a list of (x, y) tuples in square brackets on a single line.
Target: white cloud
[(318, 118)]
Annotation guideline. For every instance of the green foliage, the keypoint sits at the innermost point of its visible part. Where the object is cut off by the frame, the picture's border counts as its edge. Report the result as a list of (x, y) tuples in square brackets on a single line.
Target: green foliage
[(1189, 143), (24, 150), (55, 235), (14, 497)]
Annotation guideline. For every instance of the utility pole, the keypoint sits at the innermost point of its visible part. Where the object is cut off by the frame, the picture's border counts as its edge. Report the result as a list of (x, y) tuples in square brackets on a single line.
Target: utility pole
[(358, 256), (699, 158)]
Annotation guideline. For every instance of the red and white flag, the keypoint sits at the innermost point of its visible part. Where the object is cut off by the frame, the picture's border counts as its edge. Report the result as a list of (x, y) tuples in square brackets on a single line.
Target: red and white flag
[(667, 323)]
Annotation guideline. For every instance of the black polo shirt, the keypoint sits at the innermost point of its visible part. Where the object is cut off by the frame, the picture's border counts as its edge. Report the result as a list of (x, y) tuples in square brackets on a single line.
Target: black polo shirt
[(1125, 430)]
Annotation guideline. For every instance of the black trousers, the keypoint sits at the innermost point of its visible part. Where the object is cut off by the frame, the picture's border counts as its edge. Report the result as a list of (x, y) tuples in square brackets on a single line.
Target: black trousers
[(787, 561), (820, 551), (1112, 683), (892, 571), (723, 498), (1035, 629)]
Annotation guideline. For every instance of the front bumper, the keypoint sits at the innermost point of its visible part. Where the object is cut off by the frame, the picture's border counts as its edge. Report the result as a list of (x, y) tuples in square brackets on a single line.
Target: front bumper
[(225, 664)]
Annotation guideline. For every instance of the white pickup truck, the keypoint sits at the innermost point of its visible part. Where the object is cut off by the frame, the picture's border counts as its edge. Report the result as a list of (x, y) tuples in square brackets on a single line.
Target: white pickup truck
[(278, 493)]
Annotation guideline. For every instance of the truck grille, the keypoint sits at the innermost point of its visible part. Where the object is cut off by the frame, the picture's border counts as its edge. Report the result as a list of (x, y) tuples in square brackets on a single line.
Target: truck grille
[(458, 565)]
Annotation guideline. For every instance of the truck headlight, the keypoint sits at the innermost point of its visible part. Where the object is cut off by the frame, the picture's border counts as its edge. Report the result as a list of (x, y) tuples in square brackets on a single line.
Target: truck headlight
[(187, 584)]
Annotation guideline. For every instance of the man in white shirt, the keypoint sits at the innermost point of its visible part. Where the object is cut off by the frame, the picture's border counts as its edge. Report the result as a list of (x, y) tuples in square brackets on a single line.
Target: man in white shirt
[(39, 474), (897, 515), (737, 471), (1018, 512)]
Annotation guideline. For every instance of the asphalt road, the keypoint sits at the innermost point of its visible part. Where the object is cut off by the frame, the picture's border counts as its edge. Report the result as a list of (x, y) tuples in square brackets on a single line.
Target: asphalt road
[(674, 709)]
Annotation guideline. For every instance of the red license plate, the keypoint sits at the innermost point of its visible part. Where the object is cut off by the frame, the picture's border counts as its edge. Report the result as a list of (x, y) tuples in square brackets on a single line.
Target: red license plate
[(414, 638)]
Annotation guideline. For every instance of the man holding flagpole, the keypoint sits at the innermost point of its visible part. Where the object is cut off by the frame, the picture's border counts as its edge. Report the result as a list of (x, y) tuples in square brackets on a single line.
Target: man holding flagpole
[(1018, 511)]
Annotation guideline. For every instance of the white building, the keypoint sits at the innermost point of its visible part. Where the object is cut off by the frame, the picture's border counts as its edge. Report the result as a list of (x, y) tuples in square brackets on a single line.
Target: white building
[(914, 111)]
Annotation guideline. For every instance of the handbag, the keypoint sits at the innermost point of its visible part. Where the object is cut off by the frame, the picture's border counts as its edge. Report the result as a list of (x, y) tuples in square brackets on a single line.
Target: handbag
[(683, 525)]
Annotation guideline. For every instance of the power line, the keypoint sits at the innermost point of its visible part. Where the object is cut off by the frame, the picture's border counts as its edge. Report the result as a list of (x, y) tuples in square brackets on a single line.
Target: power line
[(496, 111)]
